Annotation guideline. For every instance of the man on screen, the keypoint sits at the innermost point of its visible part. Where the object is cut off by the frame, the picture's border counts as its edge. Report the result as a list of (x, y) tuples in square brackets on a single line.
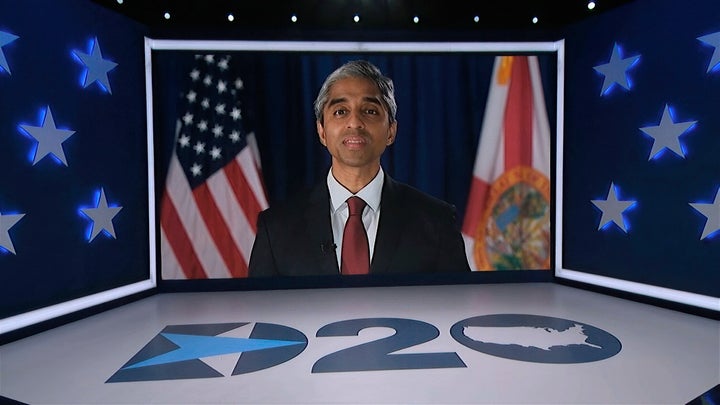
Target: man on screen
[(359, 220)]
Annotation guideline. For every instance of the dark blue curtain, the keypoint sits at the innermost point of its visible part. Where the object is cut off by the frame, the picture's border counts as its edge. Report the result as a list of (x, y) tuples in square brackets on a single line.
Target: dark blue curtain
[(441, 100)]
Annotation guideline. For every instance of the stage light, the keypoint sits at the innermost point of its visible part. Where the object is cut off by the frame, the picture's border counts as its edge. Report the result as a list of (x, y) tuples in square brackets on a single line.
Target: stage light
[(416, 19), (166, 15), (535, 20), (356, 18), (293, 18), (231, 17), (591, 5)]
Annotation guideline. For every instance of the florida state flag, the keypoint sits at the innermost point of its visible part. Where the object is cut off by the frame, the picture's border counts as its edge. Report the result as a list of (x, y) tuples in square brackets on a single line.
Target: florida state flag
[(507, 221)]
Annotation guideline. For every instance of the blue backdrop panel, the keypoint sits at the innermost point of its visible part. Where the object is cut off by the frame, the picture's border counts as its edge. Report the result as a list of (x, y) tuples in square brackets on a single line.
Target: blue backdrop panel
[(87, 65), (612, 138)]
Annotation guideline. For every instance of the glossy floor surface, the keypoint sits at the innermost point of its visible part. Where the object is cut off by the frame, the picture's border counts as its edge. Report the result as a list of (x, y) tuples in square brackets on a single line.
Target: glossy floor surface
[(463, 344)]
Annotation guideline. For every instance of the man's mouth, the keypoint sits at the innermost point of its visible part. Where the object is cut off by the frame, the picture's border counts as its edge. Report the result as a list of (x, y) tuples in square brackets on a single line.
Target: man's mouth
[(354, 142)]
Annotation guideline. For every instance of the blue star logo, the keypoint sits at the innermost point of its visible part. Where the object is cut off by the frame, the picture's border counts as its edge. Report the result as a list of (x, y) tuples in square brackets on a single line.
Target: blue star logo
[(96, 68), (710, 39), (49, 138), (5, 38), (192, 351), (191, 347), (615, 71)]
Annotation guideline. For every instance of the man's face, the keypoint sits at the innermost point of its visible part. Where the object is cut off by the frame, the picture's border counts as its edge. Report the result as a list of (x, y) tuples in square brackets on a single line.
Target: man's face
[(356, 127)]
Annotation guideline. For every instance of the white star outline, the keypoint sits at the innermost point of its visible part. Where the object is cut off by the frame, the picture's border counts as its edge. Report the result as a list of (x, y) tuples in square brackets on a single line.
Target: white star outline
[(612, 209), (101, 217), (7, 221), (667, 134), (712, 214), (615, 71)]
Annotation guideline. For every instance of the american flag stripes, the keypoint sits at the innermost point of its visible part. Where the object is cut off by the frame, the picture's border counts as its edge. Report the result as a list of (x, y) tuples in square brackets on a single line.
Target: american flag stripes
[(214, 189)]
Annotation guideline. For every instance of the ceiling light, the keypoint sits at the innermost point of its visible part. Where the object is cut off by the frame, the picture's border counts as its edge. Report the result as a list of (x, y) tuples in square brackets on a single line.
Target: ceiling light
[(166, 15), (416, 19), (293, 18), (591, 5), (356, 18), (231, 17), (535, 20), (476, 18), (119, 1)]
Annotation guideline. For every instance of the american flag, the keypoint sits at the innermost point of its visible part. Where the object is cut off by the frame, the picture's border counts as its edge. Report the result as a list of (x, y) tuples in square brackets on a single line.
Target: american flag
[(214, 189)]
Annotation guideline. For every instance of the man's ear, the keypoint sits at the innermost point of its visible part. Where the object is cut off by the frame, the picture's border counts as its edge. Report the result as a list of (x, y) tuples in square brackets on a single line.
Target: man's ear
[(392, 132), (321, 132)]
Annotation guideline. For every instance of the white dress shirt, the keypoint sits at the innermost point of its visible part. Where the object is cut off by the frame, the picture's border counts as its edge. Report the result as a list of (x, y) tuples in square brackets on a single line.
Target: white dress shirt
[(339, 209)]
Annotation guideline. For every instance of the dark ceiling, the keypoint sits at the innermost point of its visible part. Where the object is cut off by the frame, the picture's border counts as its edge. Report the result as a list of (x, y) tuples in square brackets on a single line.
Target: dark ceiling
[(373, 14)]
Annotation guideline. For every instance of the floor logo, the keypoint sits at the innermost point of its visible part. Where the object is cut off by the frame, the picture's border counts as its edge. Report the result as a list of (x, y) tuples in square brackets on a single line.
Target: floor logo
[(534, 338), (175, 352)]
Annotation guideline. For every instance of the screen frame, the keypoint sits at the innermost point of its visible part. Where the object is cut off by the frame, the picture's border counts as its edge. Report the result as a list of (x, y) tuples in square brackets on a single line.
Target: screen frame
[(556, 47)]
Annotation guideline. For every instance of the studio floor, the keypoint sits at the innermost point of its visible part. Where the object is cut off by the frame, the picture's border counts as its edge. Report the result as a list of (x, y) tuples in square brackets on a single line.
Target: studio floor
[(538, 343)]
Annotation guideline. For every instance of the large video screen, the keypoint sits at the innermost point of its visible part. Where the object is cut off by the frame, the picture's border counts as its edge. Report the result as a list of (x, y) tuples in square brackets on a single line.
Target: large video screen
[(236, 133)]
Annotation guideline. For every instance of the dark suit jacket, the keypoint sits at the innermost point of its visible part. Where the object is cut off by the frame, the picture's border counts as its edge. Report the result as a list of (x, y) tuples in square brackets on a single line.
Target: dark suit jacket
[(416, 234)]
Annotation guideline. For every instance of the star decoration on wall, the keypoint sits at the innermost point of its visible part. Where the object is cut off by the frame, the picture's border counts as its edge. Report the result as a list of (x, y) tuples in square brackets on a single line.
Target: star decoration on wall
[(5, 38), (49, 138), (667, 134), (712, 213), (612, 209), (97, 68), (615, 71), (7, 221), (102, 217), (712, 40)]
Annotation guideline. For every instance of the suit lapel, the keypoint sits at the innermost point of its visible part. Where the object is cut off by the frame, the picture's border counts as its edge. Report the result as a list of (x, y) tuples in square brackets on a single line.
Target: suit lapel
[(320, 236), (389, 228)]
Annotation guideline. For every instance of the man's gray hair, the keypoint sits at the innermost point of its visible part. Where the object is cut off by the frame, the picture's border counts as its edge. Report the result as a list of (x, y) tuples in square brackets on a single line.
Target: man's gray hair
[(358, 69)]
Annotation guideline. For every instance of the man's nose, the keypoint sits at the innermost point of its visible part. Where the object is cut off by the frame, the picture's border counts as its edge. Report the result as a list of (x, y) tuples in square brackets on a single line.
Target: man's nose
[(355, 120)]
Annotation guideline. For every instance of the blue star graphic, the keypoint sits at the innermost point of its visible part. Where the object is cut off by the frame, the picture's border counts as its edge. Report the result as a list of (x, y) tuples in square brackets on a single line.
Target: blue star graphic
[(97, 67), (667, 134), (615, 71), (191, 347), (5, 38), (101, 216), (49, 138), (6, 222), (714, 41), (612, 209), (712, 213)]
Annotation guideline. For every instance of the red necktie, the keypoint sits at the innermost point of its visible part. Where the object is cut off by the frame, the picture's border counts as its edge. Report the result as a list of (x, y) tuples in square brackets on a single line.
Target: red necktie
[(355, 256)]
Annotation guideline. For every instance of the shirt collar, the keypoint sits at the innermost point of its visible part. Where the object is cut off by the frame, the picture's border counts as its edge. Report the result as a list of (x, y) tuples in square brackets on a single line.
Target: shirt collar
[(370, 194)]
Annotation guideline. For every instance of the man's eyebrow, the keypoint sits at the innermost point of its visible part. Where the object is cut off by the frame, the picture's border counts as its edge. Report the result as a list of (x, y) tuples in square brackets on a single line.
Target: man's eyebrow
[(367, 99), (334, 101)]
